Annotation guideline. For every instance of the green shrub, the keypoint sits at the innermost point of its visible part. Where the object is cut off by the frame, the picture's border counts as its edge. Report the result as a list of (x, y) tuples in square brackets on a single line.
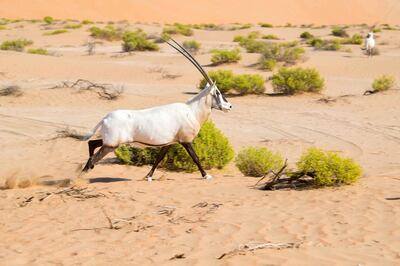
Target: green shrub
[(248, 84), (73, 26), (207, 26), (178, 28), (15, 45), (219, 57), (383, 83), (48, 20), (268, 64), (257, 162), (376, 30), (192, 46), (108, 33), (254, 35), (355, 39), (339, 32), (40, 51), (242, 84), (55, 32), (265, 25), (241, 26), (211, 146), (86, 22), (327, 45), (3, 27), (270, 37), (253, 46), (281, 52), (306, 35), (295, 80), (223, 78), (137, 41), (328, 168)]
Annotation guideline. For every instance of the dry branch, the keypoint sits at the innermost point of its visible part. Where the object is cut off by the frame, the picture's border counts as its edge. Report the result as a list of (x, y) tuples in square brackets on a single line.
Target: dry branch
[(11, 91), (105, 91)]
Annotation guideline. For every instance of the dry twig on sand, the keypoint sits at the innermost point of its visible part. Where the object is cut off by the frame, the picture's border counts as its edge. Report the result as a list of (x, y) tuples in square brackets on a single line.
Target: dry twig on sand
[(105, 91), (178, 256), (254, 246), (11, 91)]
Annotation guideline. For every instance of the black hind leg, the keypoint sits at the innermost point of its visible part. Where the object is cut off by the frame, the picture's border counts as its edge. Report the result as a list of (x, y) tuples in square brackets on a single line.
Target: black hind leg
[(93, 144), (104, 150)]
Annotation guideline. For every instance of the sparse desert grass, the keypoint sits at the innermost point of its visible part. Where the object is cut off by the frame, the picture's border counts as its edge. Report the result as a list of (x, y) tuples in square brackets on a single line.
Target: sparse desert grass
[(48, 20), (306, 35), (239, 26), (270, 37), (383, 83), (40, 51), (211, 145), (56, 32), (257, 162), (14, 91), (108, 33), (192, 46), (207, 26), (219, 57), (73, 26), (86, 22), (252, 45), (3, 27), (340, 32), (15, 45), (376, 30), (327, 45), (137, 41), (296, 80), (355, 39), (265, 25), (285, 53), (178, 29), (240, 83)]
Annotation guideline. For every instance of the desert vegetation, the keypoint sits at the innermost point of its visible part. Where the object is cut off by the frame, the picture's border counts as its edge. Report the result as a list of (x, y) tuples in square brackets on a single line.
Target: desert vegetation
[(39, 51), (192, 46), (296, 80), (48, 20), (306, 35), (340, 32), (15, 45), (327, 45), (219, 56), (56, 32), (12, 90), (137, 41), (178, 29), (282, 53), (270, 37), (73, 26), (211, 146), (265, 25), (240, 83), (382, 83), (257, 162), (108, 33)]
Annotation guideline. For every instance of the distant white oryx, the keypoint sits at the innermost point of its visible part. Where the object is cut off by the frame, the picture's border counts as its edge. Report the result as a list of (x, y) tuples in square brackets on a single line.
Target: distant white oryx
[(159, 126), (370, 43)]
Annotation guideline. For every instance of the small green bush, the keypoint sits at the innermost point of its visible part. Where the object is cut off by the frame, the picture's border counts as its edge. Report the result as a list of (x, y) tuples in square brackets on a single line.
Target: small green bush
[(266, 25), (248, 84), (108, 33), (48, 20), (257, 162), (376, 30), (254, 35), (40, 51), (207, 26), (192, 46), (383, 83), (223, 78), (211, 146), (306, 35), (339, 32), (270, 37), (137, 41), (355, 39), (178, 28), (242, 84), (3, 27), (253, 46), (281, 52), (327, 45), (295, 80), (328, 168), (73, 26), (15, 45), (268, 64), (225, 56), (56, 32), (86, 22)]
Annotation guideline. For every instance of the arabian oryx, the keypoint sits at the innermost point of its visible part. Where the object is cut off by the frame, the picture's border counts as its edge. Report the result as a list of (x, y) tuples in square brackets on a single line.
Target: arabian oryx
[(159, 126), (370, 44)]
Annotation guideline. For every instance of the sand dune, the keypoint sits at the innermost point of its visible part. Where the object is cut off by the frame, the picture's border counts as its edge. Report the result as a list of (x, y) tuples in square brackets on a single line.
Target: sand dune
[(215, 11)]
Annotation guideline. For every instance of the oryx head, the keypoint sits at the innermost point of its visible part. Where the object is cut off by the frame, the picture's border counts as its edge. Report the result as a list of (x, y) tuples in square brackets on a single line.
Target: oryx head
[(218, 100), (370, 35)]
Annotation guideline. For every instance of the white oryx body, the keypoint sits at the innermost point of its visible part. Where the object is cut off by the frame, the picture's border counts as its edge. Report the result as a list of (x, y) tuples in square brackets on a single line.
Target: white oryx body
[(159, 126), (370, 43)]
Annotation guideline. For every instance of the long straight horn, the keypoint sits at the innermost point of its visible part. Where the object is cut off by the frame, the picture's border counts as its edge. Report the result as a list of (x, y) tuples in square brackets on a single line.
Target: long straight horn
[(188, 56)]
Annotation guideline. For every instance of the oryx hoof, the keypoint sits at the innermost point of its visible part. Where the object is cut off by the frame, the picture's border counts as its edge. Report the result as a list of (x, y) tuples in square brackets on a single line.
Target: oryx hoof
[(149, 178), (207, 177)]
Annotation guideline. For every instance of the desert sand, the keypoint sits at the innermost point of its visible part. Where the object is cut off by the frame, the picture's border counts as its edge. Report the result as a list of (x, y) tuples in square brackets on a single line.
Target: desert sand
[(114, 217), (215, 11)]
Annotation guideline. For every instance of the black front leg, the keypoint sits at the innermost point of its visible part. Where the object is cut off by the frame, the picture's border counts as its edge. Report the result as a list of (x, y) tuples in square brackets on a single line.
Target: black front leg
[(161, 156), (192, 153)]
